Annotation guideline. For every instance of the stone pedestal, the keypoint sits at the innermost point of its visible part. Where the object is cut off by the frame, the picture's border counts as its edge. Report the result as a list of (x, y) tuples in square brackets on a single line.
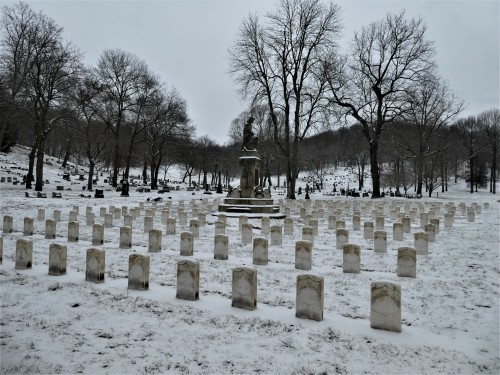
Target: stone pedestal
[(249, 173)]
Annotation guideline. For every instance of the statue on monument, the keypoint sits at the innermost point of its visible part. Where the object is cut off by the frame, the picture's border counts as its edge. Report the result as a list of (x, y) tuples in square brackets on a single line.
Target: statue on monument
[(249, 138)]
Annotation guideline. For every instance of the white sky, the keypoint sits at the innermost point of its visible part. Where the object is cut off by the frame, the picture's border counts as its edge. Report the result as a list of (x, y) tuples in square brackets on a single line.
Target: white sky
[(186, 43)]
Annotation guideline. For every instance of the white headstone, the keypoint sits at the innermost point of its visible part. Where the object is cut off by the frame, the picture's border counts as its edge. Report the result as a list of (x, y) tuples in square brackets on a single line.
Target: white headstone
[(421, 243), (148, 223), (246, 233), (276, 237), (8, 222), (154, 244), (102, 211), (194, 227), (379, 223), (243, 219), (57, 215), (265, 225), (24, 254), (187, 243), (97, 234), (171, 226), (182, 218), (397, 232), (342, 238), (125, 237), (288, 226), (28, 226), (303, 255), (41, 214), (73, 231), (50, 229), (313, 223), (58, 255), (471, 216), (356, 222), (94, 271), (108, 221), (1, 249), (244, 291), (308, 234), (188, 280), (431, 232), (260, 251), (220, 227), (368, 230), (73, 216), (406, 221), (138, 272), (407, 262), (385, 312), (89, 219), (380, 241), (351, 258), (435, 222), (424, 219), (221, 245), (310, 297)]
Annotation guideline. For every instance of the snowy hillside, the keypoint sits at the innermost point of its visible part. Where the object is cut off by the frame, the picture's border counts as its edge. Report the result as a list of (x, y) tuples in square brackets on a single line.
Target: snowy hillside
[(64, 324)]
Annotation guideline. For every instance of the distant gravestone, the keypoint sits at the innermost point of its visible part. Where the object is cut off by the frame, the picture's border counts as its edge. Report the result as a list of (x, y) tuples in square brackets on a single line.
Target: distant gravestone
[(108, 221), (421, 243), (57, 259), (97, 234), (171, 224), (221, 245), (90, 219), (202, 219), (332, 221), (276, 237), (243, 219), (220, 227), (244, 290), (1, 250), (435, 222), (194, 227), (379, 223), (351, 258), (406, 222), (431, 232), (246, 233), (50, 229), (310, 297), (154, 244), (471, 216), (73, 231), (182, 218), (356, 222), (313, 223), (188, 280), (397, 232), (342, 238), (288, 226), (95, 265), (448, 220), (340, 224), (24, 254), (265, 225), (380, 241), (73, 216), (260, 251), (424, 219), (187, 244), (125, 237), (148, 223), (28, 226), (128, 220), (385, 312), (303, 255), (138, 272), (102, 211), (57, 215), (7, 224), (41, 214), (368, 230), (308, 234), (407, 262)]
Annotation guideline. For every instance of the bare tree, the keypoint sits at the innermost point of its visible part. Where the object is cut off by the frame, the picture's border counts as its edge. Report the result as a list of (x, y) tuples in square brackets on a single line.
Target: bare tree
[(431, 105), (277, 63), (118, 73), (491, 122), (38, 68), (388, 58), (469, 131), (165, 121)]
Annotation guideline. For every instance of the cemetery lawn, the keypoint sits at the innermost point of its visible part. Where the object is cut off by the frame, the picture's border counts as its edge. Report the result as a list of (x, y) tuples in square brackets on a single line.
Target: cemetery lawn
[(64, 324)]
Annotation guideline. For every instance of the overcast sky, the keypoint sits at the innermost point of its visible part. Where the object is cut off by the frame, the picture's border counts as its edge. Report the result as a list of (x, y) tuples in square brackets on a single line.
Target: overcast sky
[(186, 43)]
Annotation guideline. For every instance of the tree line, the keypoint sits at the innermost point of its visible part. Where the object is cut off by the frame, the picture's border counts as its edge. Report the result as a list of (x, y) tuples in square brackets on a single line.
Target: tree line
[(381, 107)]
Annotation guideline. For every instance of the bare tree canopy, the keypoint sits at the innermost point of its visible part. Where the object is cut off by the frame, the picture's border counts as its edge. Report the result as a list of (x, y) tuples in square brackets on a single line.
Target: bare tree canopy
[(277, 62), (388, 58)]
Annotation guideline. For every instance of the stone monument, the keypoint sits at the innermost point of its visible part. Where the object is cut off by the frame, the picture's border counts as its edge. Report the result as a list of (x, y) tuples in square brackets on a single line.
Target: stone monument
[(250, 197)]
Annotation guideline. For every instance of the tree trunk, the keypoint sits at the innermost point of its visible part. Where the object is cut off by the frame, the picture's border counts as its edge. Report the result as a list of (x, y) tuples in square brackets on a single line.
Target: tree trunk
[(420, 171), (39, 166), (31, 167), (374, 169), (116, 161), (67, 152), (91, 174), (471, 164), (145, 172)]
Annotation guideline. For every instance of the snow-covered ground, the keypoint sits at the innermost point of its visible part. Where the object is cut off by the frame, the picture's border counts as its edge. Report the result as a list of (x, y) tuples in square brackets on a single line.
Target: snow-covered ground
[(64, 324)]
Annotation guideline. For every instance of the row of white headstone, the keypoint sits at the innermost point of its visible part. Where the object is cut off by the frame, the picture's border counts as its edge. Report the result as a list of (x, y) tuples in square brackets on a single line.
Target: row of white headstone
[(385, 310)]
